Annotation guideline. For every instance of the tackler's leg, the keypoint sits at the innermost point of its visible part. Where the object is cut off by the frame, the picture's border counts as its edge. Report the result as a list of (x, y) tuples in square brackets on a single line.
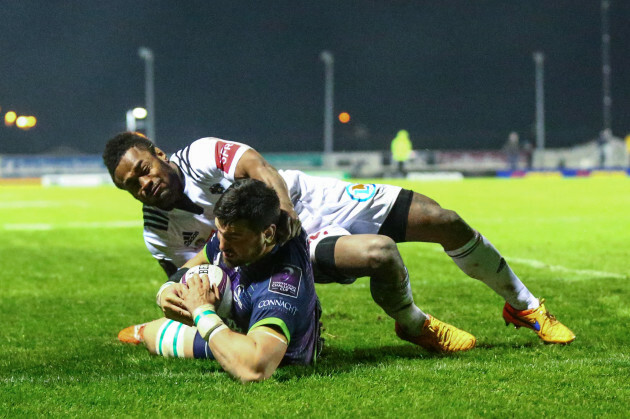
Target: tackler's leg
[(377, 256)]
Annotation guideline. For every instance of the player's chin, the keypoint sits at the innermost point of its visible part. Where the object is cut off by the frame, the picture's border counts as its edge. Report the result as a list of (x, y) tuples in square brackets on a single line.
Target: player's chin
[(230, 262)]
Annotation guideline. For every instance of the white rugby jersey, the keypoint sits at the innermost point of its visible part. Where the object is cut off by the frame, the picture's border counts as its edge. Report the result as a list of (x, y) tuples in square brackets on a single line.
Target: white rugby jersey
[(208, 166)]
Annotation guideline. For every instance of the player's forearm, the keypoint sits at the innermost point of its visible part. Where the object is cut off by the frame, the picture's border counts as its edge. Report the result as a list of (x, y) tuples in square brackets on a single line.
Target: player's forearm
[(240, 355), (271, 177), (199, 259), (254, 166)]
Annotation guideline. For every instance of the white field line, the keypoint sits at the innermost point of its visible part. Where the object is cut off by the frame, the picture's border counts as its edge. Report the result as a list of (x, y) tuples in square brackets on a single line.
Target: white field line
[(39, 204), (78, 225), (559, 268)]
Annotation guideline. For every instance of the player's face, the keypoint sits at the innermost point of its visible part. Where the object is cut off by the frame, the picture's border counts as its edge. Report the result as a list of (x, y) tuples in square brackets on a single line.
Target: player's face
[(239, 244), (149, 178)]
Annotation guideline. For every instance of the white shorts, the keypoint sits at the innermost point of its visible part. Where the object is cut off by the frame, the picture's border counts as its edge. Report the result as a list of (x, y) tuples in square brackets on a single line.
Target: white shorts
[(321, 202)]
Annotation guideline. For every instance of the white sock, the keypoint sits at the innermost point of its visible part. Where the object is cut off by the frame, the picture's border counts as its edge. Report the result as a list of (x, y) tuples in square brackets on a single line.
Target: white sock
[(480, 260), (397, 301)]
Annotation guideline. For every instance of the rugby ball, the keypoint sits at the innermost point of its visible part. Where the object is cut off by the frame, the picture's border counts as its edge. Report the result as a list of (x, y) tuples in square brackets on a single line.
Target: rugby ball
[(220, 278)]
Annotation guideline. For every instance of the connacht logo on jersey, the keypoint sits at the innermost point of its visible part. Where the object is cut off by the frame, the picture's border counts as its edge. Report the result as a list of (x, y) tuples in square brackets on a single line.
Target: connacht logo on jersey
[(360, 191), (224, 153), (189, 237)]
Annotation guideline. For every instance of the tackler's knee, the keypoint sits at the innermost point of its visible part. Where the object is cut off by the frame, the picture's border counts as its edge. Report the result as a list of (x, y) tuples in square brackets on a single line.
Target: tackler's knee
[(382, 253)]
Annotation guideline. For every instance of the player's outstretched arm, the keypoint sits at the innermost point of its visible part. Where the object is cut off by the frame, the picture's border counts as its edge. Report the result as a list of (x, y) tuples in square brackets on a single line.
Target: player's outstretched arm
[(251, 357), (253, 165)]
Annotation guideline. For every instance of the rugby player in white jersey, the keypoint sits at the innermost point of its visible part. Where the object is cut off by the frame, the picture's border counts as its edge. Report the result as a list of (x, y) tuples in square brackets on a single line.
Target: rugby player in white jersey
[(353, 230)]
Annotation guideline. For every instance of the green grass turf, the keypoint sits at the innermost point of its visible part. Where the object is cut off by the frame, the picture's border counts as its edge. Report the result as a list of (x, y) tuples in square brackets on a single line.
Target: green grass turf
[(69, 284)]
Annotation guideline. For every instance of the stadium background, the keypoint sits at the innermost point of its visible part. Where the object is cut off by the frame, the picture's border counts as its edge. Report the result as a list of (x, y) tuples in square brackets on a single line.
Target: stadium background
[(458, 76)]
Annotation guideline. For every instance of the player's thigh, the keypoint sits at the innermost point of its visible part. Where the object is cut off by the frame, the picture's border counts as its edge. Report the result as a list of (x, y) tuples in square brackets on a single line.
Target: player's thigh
[(365, 254), (429, 222)]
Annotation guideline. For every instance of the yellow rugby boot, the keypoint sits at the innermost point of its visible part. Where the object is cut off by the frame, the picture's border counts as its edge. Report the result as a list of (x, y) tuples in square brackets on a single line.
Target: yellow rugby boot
[(132, 334), (545, 324), (438, 336)]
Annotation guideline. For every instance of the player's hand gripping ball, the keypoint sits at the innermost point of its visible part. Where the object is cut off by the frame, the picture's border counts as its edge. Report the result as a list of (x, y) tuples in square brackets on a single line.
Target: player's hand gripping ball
[(218, 277)]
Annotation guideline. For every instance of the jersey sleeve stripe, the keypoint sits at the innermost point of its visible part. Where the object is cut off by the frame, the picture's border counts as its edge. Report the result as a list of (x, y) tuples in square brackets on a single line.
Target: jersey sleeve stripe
[(157, 220), (192, 169), (146, 211), (183, 162), (273, 321), (156, 226)]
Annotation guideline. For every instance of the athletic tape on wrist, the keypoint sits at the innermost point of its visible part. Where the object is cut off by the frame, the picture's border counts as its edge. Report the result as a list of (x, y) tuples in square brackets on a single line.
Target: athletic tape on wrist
[(206, 320), (216, 330), (162, 288)]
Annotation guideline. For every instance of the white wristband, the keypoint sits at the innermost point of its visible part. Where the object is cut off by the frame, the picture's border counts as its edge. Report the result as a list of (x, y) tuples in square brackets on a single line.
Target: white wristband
[(162, 288), (217, 330), (206, 320)]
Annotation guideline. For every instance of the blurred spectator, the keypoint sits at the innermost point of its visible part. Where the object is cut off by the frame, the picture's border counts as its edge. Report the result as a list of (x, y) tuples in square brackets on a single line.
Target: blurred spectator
[(528, 149), (628, 149), (401, 151), (512, 150)]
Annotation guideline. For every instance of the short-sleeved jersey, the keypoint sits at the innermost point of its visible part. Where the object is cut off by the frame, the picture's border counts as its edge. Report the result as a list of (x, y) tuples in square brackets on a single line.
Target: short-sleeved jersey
[(276, 291), (208, 166)]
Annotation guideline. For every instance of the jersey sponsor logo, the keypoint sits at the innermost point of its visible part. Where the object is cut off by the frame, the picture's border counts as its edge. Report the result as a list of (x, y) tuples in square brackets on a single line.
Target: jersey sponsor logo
[(285, 305), (224, 153), (361, 191), (189, 237), (286, 281)]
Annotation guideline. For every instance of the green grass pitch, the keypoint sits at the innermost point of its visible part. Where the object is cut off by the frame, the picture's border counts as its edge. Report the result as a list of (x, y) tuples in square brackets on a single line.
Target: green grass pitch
[(75, 271)]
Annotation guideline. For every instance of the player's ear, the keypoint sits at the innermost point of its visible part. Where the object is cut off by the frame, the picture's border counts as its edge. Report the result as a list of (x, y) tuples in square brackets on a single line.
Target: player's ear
[(270, 234), (160, 154)]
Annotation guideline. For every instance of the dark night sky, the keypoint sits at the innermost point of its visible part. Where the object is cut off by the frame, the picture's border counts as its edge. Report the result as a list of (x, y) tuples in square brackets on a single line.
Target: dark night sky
[(455, 74)]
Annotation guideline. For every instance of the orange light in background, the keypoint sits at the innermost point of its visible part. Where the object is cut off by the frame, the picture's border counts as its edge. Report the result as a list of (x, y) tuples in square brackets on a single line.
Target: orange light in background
[(9, 118), (344, 117)]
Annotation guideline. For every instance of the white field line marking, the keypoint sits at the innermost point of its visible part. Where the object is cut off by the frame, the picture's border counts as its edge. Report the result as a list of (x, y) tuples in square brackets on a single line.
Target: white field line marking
[(39, 204), (559, 268), (56, 226)]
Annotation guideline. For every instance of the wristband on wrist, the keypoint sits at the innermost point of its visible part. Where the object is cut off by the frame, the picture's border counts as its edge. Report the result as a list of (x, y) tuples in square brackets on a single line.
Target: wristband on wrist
[(162, 288), (206, 320), (216, 330)]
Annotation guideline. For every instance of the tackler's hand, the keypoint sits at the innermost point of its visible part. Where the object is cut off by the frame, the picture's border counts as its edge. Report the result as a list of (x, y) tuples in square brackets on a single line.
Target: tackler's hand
[(289, 226)]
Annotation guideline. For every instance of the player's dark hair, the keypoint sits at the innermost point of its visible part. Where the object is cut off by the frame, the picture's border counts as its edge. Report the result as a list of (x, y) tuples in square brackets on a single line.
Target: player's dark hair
[(117, 147), (249, 200)]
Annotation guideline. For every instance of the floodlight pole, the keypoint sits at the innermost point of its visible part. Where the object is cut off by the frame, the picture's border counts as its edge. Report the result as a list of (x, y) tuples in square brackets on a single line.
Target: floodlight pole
[(329, 61), (606, 99), (539, 60), (147, 55), (131, 120)]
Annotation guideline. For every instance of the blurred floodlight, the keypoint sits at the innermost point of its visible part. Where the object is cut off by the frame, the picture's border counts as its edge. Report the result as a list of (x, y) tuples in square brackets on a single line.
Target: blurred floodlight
[(344, 117), (9, 118), (21, 122), (139, 113), (25, 122)]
